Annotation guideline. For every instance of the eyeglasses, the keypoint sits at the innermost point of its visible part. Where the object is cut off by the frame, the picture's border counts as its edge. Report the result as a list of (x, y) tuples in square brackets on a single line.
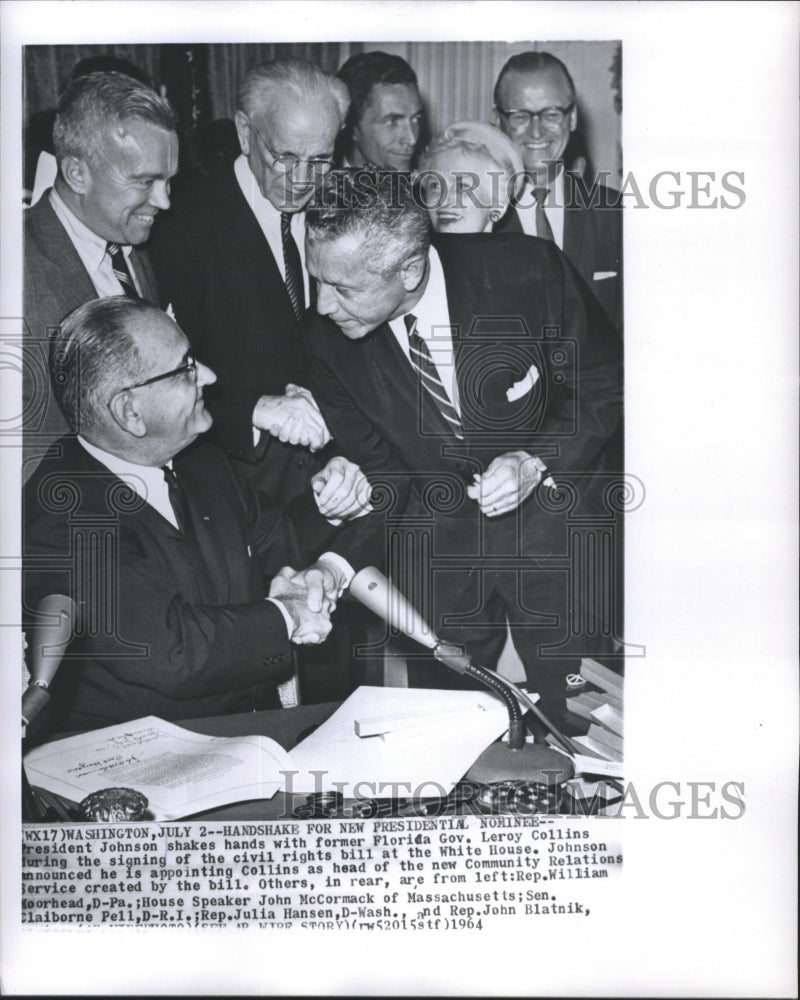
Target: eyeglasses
[(189, 367), (287, 162), (520, 118)]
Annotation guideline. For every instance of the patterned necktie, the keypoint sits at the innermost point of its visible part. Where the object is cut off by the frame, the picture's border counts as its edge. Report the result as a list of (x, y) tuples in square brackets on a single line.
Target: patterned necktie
[(423, 364), (179, 501), (292, 266), (121, 271), (543, 230)]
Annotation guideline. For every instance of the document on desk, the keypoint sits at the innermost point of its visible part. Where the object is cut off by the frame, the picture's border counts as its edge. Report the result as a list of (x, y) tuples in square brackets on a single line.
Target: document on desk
[(179, 772), (455, 727)]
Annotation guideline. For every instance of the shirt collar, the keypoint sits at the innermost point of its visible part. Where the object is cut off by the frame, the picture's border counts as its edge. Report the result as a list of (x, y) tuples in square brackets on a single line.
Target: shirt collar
[(140, 477), (93, 247)]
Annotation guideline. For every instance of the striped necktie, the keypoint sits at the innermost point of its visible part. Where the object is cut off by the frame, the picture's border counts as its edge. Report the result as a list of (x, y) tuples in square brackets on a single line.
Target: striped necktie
[(422, 362), (543, 230), (121, 271), (292, 266)]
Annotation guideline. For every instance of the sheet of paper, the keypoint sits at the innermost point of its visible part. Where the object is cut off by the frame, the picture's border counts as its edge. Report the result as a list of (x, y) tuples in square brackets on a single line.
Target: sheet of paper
[(179, 772), (336, 757)]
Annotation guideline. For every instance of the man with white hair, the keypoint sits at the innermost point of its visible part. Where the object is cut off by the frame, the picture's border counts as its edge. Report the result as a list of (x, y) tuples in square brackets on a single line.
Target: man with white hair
[(229, 259)]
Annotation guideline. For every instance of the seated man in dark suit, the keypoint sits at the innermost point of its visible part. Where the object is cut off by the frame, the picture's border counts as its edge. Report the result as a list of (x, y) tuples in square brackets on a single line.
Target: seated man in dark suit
[(535, 105), (161, 549), (116, 148), (481, 383)]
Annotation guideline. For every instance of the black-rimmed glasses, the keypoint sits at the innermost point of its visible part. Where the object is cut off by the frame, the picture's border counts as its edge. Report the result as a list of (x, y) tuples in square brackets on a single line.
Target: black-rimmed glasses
[(189, 367), (520, 118)]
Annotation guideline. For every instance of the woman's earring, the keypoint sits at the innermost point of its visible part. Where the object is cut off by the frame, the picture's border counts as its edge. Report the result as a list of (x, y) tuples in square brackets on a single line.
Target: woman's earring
[(494, 215)]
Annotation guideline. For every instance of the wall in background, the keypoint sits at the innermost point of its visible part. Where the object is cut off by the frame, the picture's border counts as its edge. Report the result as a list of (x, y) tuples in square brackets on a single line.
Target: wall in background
[(456, 79)]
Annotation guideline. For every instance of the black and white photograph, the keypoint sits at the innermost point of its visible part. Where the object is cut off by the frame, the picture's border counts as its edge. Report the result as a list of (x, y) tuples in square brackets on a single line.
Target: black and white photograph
[(399, 523)]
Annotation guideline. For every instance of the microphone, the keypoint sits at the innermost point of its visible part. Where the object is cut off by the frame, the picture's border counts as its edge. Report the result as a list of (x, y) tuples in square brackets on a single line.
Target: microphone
[(516, 760), (50, 637)]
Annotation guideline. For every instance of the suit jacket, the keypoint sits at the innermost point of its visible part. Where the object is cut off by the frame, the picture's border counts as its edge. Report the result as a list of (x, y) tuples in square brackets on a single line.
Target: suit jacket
[(538, 367), (55, 283), (215, 267), (169, 625), (592, 240)]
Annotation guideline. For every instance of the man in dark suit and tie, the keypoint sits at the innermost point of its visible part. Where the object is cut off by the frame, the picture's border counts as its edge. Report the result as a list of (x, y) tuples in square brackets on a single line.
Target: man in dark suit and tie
[(479, 383), (535, 105), (229, 259), (162, 550), (116, 148)]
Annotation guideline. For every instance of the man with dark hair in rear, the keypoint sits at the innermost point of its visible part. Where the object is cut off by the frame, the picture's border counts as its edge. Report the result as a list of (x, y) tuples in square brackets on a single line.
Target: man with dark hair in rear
[(386, 117)]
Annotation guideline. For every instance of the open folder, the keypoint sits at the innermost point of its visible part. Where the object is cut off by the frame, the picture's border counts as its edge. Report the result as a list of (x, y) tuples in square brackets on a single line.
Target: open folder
[(422, 739)]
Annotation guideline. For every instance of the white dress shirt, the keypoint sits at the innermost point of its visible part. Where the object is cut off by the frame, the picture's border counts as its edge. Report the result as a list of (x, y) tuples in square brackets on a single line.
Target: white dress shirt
[(92, 251), (269, 218), (553, 208), (433, 325)]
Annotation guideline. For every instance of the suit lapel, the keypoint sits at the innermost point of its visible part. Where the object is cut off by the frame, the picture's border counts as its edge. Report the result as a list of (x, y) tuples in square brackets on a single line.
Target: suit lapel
[(67, 278)]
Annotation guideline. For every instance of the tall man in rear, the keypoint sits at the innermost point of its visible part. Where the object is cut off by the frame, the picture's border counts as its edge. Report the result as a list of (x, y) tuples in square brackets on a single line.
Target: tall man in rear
[(481, 384)]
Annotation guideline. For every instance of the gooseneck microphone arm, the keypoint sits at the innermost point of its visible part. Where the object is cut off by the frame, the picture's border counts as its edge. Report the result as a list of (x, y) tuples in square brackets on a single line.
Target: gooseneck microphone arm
[(452, 656)]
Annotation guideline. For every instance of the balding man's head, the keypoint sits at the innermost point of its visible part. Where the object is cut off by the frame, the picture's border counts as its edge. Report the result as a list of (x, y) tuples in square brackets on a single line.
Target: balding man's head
[(534, 101), (125, 379)]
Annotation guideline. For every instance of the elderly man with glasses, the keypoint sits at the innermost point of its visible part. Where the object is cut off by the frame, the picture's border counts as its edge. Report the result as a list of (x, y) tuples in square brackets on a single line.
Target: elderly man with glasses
[(535, 104), (165, 554), (229, 259)]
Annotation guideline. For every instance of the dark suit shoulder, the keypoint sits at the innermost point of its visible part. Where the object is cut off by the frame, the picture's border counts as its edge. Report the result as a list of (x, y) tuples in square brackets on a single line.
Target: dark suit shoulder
[(498, 256)]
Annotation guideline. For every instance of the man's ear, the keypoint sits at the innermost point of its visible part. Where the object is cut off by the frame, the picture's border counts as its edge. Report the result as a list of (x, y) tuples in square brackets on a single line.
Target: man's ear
[(243, 131), (413, 270), (573, 117), (126, 414), (76, 173)]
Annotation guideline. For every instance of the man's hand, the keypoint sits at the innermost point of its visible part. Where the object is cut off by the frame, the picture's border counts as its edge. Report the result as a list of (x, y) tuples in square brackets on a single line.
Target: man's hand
[(309, 597), (293, 418), (508, 480), (342, 491)]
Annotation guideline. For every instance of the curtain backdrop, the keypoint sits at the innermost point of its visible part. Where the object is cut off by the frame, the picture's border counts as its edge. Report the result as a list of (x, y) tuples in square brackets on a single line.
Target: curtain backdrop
[(455, 78)]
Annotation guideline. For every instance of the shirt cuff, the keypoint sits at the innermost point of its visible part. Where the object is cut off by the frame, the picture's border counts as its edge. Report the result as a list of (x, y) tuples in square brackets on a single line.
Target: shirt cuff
[(346, 571), (286, 616)]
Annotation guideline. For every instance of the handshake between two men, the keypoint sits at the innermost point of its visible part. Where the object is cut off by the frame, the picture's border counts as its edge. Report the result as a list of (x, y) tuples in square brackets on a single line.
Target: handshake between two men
[(309, 596)]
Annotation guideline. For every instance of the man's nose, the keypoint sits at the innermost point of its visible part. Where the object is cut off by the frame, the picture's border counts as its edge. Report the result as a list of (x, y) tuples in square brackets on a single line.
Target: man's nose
[(159, 195), (535, 127), (205, 376), (411, 132), (325, 300)]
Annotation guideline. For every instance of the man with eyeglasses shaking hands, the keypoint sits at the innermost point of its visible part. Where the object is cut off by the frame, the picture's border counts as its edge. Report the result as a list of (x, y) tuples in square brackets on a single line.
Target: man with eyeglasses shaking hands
[(535, 104), (178, 573), (229, 259)]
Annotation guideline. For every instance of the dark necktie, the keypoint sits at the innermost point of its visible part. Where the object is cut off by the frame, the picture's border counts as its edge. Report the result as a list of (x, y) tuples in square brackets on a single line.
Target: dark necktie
[(121, 271), (179, 501), (292, 266), (543, 230), (423, 364)]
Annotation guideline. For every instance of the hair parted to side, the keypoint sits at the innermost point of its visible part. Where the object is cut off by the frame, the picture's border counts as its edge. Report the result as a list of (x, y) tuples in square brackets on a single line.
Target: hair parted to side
[(93, 355), (532, 62), (265, 83), (92, 105), (364, 70), (381, 207)]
